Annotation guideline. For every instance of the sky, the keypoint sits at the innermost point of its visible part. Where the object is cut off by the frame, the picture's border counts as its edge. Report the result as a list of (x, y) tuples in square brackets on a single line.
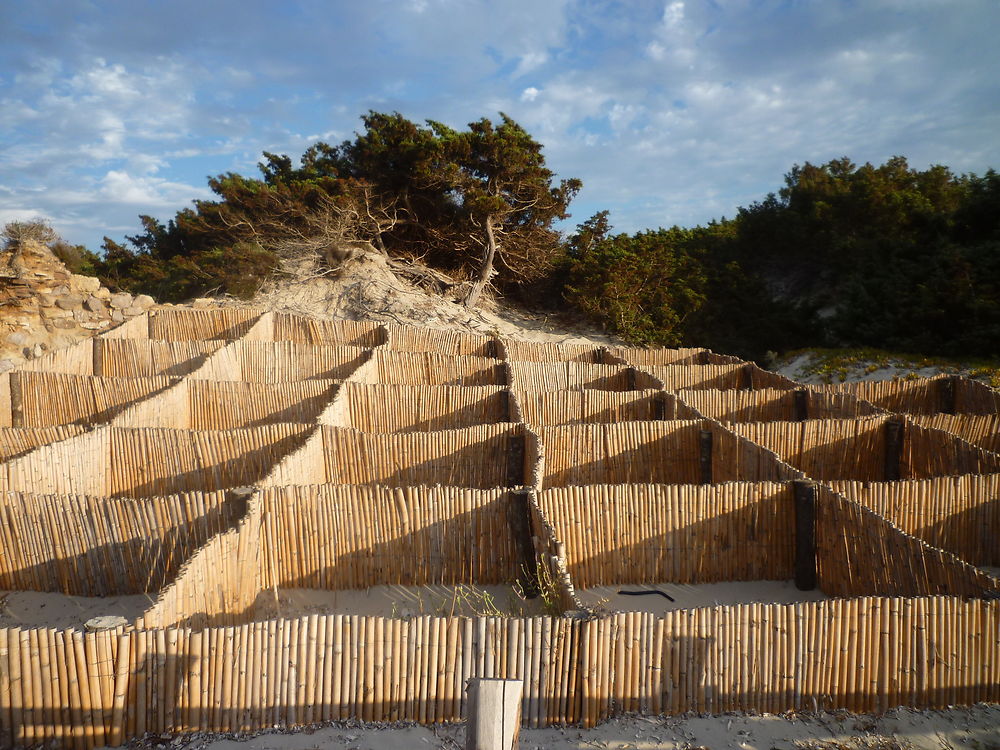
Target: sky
[(674, 112)]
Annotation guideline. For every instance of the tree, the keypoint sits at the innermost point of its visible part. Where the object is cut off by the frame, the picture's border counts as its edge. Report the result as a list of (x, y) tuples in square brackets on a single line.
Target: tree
[(507, 198)]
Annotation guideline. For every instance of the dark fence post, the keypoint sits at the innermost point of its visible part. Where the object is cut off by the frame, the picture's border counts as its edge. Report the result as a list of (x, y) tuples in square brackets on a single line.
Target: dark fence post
[(893, 448), (946, 394), (747, 377), (805, 534), (16, 400), (705, 456), (801, 397), (660, 406), (522, 533), (515, 460)]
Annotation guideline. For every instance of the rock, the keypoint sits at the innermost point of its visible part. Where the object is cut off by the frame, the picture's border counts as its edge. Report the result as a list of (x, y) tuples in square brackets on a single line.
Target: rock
[(117, 317), (70, 302), (61, 290), (94, 326), (6, 365), (202, 302), (65, 323), (17, 339), (121, 301), (133, 311), (144, 300), (95, 305), (46, 300), (55, 313), (89, 284), (38, 350), (105, 622), (103, 293)]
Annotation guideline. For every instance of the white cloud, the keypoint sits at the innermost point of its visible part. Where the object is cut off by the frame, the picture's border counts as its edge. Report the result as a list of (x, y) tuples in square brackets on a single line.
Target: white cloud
[(529, 94)]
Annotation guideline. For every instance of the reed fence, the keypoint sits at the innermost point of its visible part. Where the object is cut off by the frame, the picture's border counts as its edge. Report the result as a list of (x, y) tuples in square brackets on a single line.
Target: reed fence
[(281, 362), (946, 394), (545, 408), (435, 368), (414, 339), (862, 449), (41, 399), (628, 534), (959, 514), (666, 452), (982, 430), (352, 537), (661, 357), (361, 333), (536, 351), (380, 407), (117, 461), (85, 690), (718, 377), (19, 441), (345, 428), (774, 405), (227, 323), (97, 546), (574, 376), (859, 553)]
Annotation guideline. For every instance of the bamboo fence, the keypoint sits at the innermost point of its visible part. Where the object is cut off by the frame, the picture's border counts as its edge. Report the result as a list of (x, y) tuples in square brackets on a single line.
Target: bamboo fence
[(574, 376), (666, 452), (352, 537), (85, 690), (19, 441), (860, 553), (435, 368), (831, 449), (982, 430), (536, 351), (959, 514), (97, 546), (718, 377), (199, 325), (281, 362), (117, 461), (545, 408), (385, 454), (925, 396), (661, 357), (361, 333), (41, 399), (774, 405), (380, 407), (634, 533), (413, 339)]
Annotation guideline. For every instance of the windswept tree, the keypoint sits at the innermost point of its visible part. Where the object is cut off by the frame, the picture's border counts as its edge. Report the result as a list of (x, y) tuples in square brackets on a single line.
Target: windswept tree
[(508, 199)]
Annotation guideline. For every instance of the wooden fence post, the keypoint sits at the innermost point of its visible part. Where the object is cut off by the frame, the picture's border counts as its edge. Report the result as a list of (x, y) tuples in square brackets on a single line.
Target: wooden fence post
[(946, 394), (805, 534), (801, 396), (16, 400), (519, 518), (893, 448), (494, 715), (705, 456)]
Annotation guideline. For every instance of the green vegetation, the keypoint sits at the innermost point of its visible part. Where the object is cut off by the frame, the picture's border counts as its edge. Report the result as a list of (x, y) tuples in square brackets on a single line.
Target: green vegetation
[(842, 256), (835, 365)]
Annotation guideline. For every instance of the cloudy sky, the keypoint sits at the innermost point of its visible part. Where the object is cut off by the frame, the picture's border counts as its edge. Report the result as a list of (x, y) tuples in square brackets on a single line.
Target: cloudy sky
[(671, 112)]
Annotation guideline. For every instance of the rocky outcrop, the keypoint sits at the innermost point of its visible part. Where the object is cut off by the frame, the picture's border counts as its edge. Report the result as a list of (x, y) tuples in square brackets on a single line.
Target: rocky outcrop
[(43, 306)]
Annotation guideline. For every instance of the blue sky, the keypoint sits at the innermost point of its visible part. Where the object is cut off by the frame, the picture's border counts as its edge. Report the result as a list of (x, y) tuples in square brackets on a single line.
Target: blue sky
[(670, 112)]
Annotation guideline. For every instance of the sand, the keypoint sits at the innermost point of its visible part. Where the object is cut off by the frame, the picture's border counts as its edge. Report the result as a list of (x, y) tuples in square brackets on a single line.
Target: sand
[(33, 609), (399, 601), (607, 598), (974, 728)]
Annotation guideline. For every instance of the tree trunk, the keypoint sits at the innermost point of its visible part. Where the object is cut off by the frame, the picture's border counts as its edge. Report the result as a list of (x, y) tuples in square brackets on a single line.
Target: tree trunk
[(486, 269)]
